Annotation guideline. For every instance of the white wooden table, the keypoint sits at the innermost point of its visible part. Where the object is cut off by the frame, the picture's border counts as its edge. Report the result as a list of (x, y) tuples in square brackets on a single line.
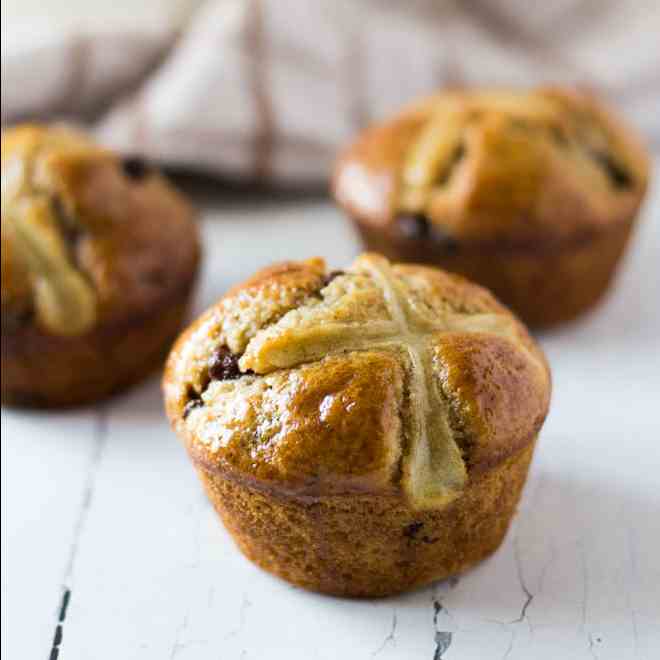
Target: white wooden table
[(110, 550)]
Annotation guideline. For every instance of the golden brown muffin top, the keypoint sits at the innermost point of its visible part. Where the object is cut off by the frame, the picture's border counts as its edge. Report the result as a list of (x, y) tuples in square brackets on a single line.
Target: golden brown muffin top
[(382, 378), (509, 166), (87, 238)]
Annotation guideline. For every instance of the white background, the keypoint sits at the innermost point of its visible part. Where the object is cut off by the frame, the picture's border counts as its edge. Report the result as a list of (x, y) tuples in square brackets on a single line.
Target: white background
[(104, 502)]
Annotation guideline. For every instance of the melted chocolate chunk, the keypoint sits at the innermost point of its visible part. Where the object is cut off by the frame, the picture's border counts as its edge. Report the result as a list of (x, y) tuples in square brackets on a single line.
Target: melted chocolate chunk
[(411, 530), (223, 365), (414, 225), (444, 240), (417, 227), (135, 167), (195, 401), (330, 276), (15, 319), (191, 405), (619, 176)]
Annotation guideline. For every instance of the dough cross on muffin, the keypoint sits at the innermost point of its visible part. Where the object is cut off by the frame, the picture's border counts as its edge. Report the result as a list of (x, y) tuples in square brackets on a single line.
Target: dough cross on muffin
[(435, 471), (39, 234), (63, 299), (372, 308)]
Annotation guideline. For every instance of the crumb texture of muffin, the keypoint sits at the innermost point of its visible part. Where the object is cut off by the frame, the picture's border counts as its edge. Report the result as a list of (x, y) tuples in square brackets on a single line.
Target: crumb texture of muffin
[(334, 416), (99, 258), (530, 193)]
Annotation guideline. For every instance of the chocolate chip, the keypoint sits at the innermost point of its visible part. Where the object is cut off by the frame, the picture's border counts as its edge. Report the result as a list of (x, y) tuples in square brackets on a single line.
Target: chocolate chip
[(194, 401), (414, 225), (447, 242), (330, 276), (15, 319), (619, 176), (190, 406), (411, 530), (223, 365), (135, 167), (417, 227)]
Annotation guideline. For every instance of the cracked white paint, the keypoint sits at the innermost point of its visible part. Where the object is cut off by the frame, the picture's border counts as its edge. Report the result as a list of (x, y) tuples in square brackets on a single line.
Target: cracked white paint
[(391, 636), (154, 576)]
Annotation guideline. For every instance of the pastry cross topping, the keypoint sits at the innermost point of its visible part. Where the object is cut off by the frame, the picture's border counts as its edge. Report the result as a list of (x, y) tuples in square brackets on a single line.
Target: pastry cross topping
[(63, 299), (433, 470), (39, 230)]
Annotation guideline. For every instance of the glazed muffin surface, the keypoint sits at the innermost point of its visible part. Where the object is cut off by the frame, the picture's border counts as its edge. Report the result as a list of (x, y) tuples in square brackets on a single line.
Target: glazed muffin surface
[(99, 256), (306, 398), (534, 182)]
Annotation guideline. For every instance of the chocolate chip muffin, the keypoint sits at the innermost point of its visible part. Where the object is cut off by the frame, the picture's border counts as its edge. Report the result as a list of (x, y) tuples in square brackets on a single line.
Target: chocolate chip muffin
[(99, 258), (532, 194), (359, 432)]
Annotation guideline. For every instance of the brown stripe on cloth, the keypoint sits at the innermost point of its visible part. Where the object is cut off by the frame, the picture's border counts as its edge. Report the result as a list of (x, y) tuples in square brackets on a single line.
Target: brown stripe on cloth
[(451, 72), (137, 107), (80, 52), (446, 67), (354, 75), (295, 55), (258, 61)]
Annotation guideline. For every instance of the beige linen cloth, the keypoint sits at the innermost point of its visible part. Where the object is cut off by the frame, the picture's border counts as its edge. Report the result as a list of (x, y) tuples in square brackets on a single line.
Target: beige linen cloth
[(270, 89)]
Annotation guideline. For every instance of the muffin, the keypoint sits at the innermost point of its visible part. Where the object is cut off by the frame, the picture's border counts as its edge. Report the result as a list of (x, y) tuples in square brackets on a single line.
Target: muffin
[(99, 259), (531, 194), (359, 432)]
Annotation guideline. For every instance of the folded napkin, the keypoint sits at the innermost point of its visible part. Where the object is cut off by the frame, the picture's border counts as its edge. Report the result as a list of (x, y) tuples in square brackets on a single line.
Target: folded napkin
[(270, 89)]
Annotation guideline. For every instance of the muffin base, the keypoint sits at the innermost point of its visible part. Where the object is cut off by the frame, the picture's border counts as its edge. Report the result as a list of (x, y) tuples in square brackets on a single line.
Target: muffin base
[(46, 371), (544, 284), (368, 545)]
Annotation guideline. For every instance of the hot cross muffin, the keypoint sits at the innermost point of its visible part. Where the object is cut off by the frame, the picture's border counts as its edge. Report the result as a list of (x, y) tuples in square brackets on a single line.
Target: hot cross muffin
[(359, 432), (99, 257), (532, 194)]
